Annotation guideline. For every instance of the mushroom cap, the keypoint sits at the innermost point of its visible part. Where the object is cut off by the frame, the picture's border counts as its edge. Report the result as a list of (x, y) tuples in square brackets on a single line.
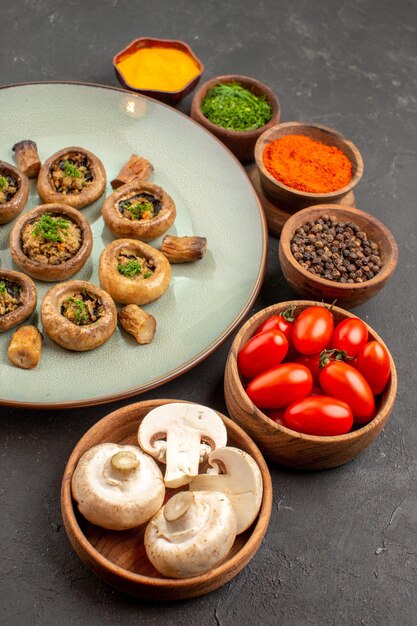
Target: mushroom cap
[(178, 434), (117, 495), (191, 534), (241, 481)]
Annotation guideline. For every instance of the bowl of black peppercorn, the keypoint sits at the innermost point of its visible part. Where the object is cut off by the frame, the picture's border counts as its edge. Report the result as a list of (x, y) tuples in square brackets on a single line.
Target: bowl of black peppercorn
[(328, 252)]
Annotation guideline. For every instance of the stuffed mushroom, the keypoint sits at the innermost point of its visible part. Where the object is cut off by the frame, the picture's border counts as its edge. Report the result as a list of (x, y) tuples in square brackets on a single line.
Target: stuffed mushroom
[(14, 191), (73, 176), (78, 316), (18, 298), (51, 242)]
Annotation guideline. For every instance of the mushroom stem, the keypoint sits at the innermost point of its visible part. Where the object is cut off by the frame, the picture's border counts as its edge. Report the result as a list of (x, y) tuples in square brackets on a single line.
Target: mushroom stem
[(183, 249), (182, 456), (138, 323), (135, 167), (27, 158), (125, 462), (176, 508)]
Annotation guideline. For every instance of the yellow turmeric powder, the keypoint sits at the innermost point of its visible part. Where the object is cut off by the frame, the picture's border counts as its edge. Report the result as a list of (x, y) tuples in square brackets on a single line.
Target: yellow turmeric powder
[(162, 69)]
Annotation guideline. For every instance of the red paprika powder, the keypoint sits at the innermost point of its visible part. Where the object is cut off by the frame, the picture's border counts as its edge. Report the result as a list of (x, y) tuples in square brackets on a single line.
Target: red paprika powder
[(307, 165)]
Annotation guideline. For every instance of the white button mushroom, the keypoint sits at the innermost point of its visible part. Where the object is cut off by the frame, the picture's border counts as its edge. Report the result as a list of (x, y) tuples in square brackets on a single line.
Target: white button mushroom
[(240, 480), (191, 534), (181, 435), (117, 487)]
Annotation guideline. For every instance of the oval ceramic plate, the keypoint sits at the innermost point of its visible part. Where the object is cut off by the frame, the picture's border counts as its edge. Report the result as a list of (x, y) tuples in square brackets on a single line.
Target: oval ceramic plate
[(214, 199)]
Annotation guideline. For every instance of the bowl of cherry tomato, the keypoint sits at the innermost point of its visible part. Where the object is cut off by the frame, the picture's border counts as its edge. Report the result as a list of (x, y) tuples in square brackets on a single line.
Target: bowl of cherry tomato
[(311, 383)]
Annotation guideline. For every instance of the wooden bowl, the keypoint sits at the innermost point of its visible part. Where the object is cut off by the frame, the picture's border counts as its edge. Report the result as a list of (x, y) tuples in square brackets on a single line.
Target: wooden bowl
[(169, 97), (292, 199), (312, 286), (119, 558), (241, 143), (281, 444)]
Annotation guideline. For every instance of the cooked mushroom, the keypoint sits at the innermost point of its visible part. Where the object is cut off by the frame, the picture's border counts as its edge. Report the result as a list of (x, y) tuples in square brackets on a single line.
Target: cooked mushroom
[(139, 210), (191, 534), (14, 191), (72, 176), (133, 272), (27, 158), (51, 242), (136, 166), (117, 487), (25, 348), (77, 315), (240, 480), (138, 323), (18, 298), (183, 249), (181, 435)]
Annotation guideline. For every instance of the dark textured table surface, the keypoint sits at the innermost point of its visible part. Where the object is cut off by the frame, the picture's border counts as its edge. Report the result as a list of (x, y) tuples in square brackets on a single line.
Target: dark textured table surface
[(341, 545)]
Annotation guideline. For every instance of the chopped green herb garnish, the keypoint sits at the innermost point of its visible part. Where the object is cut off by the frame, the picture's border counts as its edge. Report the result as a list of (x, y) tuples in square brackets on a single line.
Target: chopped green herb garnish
[(4, 183), (139, 208), (147, 274), (70, 169), (234, 107), (79, 309), (131, 268), (2, 287), (51, 228)]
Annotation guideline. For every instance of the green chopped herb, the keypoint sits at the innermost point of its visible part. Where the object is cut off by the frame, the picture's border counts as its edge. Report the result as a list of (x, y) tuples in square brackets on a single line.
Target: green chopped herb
[(70, 169), (4, 183), (234, 107), (147, 274), (139, 208), (2, 286), (131, 268), (79, 309), (50, 228)]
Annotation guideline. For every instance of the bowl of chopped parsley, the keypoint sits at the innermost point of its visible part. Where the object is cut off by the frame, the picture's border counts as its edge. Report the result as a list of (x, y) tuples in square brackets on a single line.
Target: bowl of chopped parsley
[(236, 109)]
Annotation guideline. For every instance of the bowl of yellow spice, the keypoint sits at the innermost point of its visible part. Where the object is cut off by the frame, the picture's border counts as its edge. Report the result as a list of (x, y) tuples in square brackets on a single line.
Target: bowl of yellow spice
[(164, 69), (302, 165)]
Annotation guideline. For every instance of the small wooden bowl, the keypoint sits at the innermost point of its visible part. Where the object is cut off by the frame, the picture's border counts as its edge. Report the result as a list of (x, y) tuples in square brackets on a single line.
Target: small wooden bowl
[(281, 444), (241, 143), (169, 97), (312, 286), (292, 199), (119, 558)]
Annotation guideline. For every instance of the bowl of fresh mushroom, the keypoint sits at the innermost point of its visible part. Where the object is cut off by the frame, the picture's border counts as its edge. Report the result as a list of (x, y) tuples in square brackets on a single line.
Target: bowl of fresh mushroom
[(166, 500)]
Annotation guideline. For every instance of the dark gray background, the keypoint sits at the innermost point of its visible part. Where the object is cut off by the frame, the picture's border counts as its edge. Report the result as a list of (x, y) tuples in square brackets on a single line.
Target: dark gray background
[(341, 545)]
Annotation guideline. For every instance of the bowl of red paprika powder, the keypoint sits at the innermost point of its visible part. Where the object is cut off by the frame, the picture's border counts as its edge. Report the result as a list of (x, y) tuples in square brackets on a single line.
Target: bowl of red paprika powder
[(302, 164)]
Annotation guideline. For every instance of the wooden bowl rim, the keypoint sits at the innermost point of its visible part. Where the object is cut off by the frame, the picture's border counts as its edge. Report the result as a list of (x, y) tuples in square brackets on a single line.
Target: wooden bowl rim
[(384, 273), (383, 411), (357, 162), (166, 43), (250, 82), (70, 520)]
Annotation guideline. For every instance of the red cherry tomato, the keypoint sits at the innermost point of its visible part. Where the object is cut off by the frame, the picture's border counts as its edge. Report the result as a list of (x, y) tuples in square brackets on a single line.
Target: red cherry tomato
[(350, 335), (313, 330), (276, 415), (280, 385), (261, 352), (319, 415), (312, 362), (283, 322), (342, 381), (374, 364)]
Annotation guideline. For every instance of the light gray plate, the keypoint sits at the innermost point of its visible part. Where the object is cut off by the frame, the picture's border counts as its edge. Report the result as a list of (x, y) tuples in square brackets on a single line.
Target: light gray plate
[(214, 199)]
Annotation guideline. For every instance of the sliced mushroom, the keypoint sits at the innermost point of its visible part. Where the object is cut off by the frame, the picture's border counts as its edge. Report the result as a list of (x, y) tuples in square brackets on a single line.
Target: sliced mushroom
[(77, 315), (191, 534), (133, 272), (183, 249), (135, 167), (73, 176), (14, 191), (139, 210), (240, 480), (117, 487), (18, 298), (138, 323), (25, 348), (181, 435), (46, 251), (27, 158)]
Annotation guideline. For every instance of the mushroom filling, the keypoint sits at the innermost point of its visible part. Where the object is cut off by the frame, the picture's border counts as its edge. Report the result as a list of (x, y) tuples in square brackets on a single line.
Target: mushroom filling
[(10, 296), (51, 239), (9, 186), (83, 308), (133, 266), (142, 206), (72, 174)]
